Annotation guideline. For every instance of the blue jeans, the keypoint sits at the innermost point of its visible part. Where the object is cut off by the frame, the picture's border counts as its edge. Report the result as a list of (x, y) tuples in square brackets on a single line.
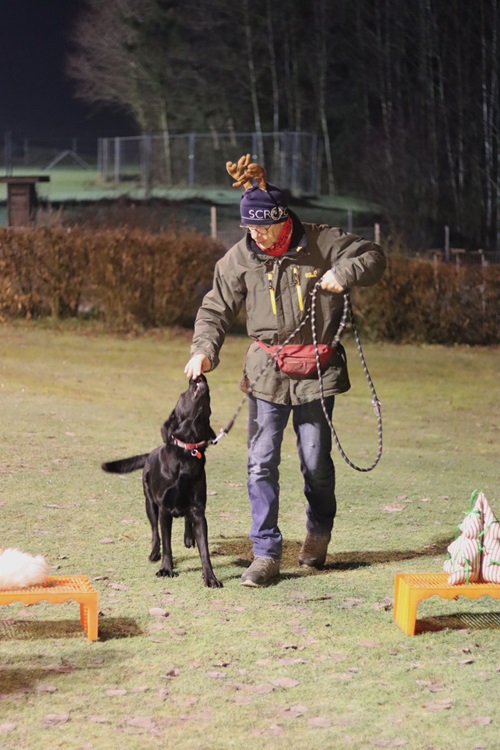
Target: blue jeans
[(266, 425)]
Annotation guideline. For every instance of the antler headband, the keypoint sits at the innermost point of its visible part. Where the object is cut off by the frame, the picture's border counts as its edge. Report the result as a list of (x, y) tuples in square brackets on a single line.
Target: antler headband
[(243, 172)]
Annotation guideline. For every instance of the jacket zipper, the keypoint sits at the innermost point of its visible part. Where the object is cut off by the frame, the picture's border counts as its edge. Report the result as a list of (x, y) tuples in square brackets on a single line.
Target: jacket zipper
[(296, 281), (271, 291)]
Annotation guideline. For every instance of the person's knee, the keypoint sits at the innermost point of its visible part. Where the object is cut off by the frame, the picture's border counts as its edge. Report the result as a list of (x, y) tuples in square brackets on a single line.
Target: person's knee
[(317, 465)]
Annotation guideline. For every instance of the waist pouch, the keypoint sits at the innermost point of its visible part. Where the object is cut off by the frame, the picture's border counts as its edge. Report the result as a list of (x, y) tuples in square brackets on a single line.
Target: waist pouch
[(298, 360)]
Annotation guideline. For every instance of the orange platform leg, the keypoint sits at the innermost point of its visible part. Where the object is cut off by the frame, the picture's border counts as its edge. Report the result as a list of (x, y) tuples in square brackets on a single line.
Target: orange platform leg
[(411, 588), (58, 589)]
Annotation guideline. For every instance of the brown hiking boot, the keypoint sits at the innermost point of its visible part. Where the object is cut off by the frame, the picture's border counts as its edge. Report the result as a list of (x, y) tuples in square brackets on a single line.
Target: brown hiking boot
[(260, 572), (312, 554)]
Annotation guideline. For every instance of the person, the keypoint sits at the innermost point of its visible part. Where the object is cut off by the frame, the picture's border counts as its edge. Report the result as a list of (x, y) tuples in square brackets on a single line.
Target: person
[(272, 270)]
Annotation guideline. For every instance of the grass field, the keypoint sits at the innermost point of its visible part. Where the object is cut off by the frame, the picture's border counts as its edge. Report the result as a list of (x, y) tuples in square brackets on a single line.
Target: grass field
[(70, 182), (313, 661)]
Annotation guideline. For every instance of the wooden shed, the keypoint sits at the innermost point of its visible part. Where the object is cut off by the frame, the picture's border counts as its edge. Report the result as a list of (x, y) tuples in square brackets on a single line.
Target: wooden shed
[(22, 199)]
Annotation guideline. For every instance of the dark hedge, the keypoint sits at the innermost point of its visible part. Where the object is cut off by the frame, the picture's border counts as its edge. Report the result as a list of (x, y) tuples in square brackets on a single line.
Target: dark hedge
[(129, 278), (126, 277)]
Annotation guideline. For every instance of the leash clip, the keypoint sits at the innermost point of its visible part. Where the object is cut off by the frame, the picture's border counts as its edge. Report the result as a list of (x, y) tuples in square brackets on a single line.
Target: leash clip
[(221, 434)]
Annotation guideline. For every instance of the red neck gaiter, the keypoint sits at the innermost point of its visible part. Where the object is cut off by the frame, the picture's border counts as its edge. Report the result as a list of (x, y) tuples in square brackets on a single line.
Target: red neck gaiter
[(282, 243)]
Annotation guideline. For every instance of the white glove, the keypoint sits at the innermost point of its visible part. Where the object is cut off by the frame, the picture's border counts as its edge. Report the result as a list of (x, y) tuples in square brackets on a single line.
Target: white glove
[(330, 284)]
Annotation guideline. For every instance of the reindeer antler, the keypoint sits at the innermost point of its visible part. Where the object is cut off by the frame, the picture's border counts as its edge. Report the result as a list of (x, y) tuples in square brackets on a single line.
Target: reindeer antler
[(237, 171), (243, 172)]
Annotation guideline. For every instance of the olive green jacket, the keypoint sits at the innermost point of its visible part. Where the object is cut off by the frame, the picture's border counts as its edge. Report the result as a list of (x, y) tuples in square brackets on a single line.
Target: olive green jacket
[(276, 295)]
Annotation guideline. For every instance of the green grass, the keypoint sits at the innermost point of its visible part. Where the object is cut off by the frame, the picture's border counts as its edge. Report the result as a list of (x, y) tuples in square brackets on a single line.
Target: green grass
[(74, 194), (73, 183), (315, 660)]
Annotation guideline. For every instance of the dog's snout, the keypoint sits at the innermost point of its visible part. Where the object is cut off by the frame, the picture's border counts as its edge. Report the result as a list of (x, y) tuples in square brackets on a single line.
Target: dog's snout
[(199, 382)]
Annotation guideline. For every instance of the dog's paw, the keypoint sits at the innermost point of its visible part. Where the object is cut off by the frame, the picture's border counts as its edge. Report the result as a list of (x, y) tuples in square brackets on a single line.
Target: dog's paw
[(214, 583), (154, 556), (162, 573), (189, 541)]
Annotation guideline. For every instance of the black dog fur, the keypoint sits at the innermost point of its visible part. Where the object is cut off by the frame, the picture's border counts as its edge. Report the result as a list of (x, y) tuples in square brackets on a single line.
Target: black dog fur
[(174, 479)]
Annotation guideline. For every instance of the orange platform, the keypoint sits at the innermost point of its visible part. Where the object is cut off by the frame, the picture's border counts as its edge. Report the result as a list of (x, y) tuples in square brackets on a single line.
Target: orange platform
[(411, 588), (58, 589)]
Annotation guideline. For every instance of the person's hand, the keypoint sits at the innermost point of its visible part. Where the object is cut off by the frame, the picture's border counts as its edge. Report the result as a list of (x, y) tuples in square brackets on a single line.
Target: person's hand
[(197, 364), (330, 284)]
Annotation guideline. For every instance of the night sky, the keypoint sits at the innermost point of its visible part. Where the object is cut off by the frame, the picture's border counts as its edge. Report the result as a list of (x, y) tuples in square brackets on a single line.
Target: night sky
[(36, 98)]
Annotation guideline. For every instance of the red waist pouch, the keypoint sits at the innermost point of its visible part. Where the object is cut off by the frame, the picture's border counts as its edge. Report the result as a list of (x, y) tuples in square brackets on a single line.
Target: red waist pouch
[(298, 360)]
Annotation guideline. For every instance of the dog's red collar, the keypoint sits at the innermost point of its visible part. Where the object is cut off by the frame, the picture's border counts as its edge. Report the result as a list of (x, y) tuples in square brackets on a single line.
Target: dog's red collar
[(192, 447)]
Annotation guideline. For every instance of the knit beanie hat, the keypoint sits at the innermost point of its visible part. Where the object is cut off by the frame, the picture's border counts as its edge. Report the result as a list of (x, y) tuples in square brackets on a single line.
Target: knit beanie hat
[(263, 207)]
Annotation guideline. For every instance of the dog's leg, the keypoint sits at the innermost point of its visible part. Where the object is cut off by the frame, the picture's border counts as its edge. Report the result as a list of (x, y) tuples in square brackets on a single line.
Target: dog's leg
[(188, 533), (200, 529), (152, 514), (167, 565)]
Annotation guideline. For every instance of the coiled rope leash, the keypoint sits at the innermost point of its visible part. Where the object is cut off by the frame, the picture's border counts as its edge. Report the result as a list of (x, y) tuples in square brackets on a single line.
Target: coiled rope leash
[(346, 313)]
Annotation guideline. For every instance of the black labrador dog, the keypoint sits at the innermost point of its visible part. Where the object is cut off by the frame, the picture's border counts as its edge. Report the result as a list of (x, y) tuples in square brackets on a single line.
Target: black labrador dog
[(174, 479)]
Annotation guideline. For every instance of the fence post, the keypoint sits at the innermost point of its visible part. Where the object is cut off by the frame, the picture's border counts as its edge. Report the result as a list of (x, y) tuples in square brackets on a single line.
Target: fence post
[(284, 177), (232, 134), (314, 165), (99, 156), (294, 183), (447, 243), (7, 151), (349, 220), (191, 159), (104, 151), (255, 154), (147, 155), (213, 222), (376, 233), (117, 159)]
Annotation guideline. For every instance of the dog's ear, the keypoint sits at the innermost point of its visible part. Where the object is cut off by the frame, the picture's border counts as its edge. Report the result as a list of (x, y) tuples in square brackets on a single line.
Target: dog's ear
[(169, 427)]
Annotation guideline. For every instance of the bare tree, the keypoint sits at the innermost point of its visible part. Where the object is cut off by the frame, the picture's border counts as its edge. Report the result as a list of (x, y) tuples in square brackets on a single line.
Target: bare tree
[(490, 110), (104, 63), (404, 94), (252, 77), (271, 41), (136, 54), (321, 58), (291, 75)]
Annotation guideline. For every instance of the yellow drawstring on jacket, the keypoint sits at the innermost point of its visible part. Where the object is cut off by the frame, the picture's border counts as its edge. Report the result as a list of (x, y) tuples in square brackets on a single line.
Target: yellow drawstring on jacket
[(297, 286), (271, 292)]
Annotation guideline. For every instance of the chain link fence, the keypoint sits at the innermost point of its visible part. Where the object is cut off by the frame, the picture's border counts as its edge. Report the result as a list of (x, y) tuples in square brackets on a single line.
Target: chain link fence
[(199, 160), (44, 153), (189, 160)]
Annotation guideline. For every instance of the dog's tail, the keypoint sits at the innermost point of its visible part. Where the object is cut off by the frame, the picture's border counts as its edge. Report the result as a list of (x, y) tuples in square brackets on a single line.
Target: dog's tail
[(125, 465)]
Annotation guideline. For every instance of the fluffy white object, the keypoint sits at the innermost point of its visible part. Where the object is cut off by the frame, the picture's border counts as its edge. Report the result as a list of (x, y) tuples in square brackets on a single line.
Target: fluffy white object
[(18, 570)]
